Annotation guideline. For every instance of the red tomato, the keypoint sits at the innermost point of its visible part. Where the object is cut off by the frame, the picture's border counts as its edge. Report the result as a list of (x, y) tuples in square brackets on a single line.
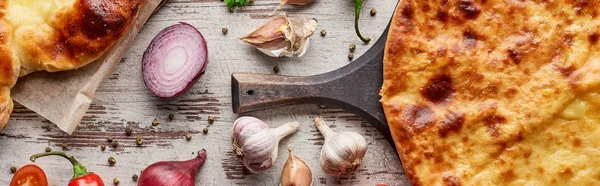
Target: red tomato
[(29, 175)]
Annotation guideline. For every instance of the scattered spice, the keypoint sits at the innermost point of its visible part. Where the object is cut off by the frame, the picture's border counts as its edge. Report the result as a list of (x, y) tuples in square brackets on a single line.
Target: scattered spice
[(139, 141), (128, 131), (276, 69), (373, 11), (350, 56), (155, 122), (48, 149), (171, 117), (110, 139), (102, 147), (112, 160), (115, 144), (116, 181), (224, 30), (205, 130), (211, 119), (323, 32), (188, 136), (64, 146), (13, 169), (352, 47), (134, 177)]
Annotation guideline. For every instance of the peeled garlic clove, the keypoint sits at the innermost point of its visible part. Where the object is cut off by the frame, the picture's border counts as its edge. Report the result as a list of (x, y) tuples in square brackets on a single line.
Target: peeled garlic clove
[(342, 152), (295, 172), (256, 144), (280, 36)]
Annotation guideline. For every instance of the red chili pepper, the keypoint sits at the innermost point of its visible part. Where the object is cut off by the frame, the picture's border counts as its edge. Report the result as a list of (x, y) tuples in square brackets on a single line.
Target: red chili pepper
[(81, 176)]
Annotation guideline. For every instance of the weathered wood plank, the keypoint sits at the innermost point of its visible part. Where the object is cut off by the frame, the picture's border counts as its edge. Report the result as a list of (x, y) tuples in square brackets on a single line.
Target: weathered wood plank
[(123, 101)]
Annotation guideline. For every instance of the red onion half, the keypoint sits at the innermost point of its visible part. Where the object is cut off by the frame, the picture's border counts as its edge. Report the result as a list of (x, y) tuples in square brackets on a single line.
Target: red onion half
[(174, 60)]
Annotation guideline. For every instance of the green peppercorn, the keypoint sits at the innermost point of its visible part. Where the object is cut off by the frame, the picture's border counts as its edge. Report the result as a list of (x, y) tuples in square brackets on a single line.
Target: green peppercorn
[(102, 147), (134, 177), (13, 169), (224, 30), (276, 69), (112, 160), (114, 144), (188, 136), (139, 141), (171, 117), (128, 131), (323, 32), (373, 11), (296, 46), (48, 149), (64, 146), (205, 130), (352, 47), (116, 181), (110, 139), (155, 122), (350, 56), (211, 119)]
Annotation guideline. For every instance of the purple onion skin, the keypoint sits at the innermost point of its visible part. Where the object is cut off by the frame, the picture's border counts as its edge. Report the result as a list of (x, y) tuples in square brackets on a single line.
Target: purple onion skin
[(158, 40), (172, 173)]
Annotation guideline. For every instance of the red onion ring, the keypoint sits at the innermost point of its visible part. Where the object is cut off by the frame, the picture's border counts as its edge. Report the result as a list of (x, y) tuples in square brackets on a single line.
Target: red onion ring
[(174, 60)]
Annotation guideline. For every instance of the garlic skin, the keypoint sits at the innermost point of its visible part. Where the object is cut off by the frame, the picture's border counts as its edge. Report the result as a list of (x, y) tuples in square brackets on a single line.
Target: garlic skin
[(293, 2), (256, 144), (295, 172), (280, 36), (342, 152)]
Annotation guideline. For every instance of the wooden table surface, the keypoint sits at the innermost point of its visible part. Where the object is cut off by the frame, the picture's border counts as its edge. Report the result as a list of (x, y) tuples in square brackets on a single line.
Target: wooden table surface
[(123, 100)]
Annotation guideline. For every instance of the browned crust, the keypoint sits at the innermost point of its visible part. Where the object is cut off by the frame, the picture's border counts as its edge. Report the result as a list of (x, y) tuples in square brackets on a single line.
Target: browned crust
[(464, 77), (78, 36)]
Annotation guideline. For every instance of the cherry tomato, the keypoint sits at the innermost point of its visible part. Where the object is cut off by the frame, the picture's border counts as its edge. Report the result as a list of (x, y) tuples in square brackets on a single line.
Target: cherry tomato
[(29, 175)]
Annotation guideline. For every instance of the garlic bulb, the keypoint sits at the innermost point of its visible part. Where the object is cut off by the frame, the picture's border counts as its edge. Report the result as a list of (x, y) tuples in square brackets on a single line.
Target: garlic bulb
[(295, 172), (280, 36), (342, 152), (256, 144)]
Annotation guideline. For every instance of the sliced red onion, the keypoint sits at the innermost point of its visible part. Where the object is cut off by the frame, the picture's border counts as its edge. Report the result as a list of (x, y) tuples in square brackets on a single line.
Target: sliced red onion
[(174, 60)]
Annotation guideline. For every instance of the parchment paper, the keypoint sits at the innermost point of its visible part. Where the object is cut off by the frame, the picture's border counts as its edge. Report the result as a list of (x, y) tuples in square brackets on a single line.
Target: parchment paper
[(64, 97)]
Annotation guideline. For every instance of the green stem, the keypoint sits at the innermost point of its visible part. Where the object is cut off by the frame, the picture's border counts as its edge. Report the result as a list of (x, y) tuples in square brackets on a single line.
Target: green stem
[(357, 7), (78, 169)]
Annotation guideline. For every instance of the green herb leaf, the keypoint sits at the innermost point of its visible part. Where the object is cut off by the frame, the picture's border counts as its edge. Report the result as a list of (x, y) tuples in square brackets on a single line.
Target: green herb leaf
[(239, 3)]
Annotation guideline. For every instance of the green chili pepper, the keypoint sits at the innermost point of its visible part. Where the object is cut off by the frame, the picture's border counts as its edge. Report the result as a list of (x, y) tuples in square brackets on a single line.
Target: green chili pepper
[(357, 7)]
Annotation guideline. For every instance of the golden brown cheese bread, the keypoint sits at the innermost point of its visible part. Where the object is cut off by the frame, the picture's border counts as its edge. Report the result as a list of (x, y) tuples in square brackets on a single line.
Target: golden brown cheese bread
[(495, 92), (56, 35)]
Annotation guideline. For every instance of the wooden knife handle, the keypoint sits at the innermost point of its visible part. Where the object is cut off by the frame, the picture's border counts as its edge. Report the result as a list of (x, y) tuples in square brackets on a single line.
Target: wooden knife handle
[(252, 92)]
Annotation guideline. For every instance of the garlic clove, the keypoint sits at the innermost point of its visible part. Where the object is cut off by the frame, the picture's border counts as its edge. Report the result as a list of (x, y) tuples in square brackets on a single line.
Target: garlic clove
[(342, 153), (303, 29), (256, 144), (273, 34), (292, 2), (281, 36), (295, 172)]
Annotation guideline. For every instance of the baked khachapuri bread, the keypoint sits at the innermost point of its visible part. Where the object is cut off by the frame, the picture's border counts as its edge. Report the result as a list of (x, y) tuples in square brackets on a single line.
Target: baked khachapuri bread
[(495, 92), (56, 35)]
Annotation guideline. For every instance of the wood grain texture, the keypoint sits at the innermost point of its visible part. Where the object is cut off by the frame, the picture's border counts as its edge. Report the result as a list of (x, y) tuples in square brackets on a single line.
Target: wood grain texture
[(123, 101)]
